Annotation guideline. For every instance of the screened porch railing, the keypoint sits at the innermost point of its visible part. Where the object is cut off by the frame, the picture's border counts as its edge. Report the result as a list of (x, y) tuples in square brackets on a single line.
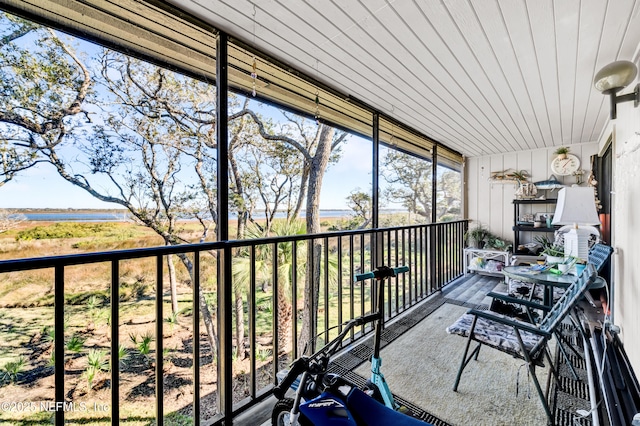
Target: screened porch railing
[(263, 286)]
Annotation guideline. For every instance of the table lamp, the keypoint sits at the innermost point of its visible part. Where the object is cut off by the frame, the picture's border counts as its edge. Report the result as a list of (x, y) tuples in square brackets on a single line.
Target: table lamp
[(577, 207)]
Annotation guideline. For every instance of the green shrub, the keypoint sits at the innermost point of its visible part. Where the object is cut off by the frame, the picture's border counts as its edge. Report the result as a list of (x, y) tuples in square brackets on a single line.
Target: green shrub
[(123, 356), (96, 362), (75, 344), (177, 419), (64, 230), (10, 371)]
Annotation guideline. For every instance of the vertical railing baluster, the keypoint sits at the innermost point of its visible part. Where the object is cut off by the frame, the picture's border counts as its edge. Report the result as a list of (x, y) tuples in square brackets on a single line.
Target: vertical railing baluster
[(416, 254), (439, 247), (251, 301), (195, 308), (423, 262), (414, 275), (225, 332), (325, 269), (340, 284), (362, 269), (397, 262), (387, 283), (352, 291), (115, 342), (159, 348), (294, 296), (58, 341), (312, 315), (433, 255), (404, 262), (451, 251), (276, 316)]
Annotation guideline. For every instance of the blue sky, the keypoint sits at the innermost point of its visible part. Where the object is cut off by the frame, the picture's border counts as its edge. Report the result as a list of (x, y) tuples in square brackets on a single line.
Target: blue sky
[(41, 187)]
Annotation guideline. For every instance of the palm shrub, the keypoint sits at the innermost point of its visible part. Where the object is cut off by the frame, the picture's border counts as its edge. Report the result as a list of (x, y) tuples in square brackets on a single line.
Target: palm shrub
[(96, 362), (123, 356), (74, 344), (143, 344), (10, 371)]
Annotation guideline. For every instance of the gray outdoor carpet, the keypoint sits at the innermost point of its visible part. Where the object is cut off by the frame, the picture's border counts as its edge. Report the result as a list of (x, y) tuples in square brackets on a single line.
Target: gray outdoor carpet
[(567, 396)]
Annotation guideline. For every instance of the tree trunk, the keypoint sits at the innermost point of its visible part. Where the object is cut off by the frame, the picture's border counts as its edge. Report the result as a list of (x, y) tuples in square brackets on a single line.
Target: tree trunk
[(239, 323), (205, 313), (285, 317), (311, 298), (312, 283), (172, 284)]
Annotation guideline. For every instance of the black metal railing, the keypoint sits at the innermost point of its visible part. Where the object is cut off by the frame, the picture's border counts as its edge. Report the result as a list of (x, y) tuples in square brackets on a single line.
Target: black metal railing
[(259, 283)]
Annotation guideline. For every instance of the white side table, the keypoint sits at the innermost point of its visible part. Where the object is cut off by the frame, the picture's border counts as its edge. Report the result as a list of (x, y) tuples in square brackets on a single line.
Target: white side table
[(470, 254)]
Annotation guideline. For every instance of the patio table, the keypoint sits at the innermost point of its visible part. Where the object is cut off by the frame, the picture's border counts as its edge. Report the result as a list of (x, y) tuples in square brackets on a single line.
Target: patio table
[(546, 278)]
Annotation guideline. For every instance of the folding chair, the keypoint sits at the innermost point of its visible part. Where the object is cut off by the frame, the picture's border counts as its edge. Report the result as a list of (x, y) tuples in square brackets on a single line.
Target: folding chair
[(520, 339)]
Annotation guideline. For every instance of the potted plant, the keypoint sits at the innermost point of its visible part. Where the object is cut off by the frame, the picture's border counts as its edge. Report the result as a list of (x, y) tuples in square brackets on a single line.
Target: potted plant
[(562, 152), (493, 242), (475, 237), (553, 251)]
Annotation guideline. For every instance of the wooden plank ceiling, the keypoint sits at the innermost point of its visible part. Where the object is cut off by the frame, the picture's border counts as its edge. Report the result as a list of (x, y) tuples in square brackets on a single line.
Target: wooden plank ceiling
[(480, 76)]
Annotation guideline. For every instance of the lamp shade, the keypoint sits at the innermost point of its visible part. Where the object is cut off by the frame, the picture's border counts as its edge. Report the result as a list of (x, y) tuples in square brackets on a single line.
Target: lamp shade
[(615, 76), (576, 205)]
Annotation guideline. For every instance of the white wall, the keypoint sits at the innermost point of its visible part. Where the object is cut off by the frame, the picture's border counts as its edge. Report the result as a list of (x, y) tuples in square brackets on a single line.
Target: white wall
[(490, 202), (625, 131)]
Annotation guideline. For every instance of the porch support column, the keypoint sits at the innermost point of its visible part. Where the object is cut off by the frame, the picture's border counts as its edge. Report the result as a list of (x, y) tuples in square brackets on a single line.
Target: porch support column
[(376, 171), (225, 387), (377, 242), (433, 238)]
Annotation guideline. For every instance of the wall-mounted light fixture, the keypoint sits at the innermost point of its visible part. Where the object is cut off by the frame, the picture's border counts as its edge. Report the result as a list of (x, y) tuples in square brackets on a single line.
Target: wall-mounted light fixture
[(615, 77)]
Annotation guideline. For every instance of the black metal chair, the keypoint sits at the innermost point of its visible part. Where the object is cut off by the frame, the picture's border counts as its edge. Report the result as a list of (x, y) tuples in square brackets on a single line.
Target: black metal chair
[(521, 339)]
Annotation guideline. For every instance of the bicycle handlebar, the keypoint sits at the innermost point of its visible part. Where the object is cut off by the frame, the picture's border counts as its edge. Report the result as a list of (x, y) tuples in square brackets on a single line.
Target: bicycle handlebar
[(382, 272), (298, 367), (302, 364)]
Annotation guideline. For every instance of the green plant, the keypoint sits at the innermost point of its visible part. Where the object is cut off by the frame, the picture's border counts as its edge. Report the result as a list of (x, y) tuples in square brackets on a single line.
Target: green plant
[(577, 260), (48, 334), (563, 150), (96, 362), (75, 344), (172, 319), (123, 356), (521, 175), (550, 248), (10, 371), (477, 235), (92, 302), (95, 312), (177, 419), (97, 359), (263, 354), (144, 343), (496, 243)]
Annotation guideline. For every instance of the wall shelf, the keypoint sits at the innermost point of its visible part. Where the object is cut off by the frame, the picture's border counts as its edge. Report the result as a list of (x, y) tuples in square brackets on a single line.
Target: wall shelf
[(519, 228)]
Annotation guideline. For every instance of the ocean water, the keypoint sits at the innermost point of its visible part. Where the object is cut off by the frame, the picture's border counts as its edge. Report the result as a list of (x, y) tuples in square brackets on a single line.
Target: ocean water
[(115, 216), (121, 216), (77, 217)]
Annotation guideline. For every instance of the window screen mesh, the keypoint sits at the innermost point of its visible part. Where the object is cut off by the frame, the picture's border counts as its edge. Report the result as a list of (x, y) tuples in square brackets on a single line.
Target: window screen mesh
[(173, 38), (141, 29)]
